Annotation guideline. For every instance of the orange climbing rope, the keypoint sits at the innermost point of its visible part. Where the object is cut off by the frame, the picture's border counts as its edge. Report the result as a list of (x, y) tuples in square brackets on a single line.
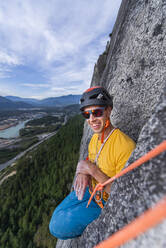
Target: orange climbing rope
[(153, 153), (147, 220)]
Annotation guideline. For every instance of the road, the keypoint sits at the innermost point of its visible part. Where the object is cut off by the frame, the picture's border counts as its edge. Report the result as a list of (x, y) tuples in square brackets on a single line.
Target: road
[(4, 165)]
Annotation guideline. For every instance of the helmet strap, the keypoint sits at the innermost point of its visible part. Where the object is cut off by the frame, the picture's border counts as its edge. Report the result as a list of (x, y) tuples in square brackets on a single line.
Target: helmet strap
[(107, 124)]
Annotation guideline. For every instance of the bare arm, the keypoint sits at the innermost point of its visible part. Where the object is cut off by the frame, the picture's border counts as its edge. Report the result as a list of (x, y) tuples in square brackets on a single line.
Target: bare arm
[(88, 168)]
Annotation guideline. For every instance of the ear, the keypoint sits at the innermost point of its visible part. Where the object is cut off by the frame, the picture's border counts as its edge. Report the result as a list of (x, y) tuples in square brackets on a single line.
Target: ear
[(108, 109)]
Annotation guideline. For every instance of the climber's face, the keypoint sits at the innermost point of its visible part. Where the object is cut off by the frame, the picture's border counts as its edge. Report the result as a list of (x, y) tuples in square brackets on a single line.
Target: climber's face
[(96, 117)]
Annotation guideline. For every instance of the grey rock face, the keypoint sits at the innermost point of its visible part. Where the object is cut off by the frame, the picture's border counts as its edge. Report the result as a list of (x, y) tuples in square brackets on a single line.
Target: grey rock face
[(85, 141), (136, 191), (133, 69)]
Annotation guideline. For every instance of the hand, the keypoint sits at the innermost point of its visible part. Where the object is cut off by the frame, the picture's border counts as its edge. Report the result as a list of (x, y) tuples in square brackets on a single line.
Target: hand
[(84, 167), (80, 184)]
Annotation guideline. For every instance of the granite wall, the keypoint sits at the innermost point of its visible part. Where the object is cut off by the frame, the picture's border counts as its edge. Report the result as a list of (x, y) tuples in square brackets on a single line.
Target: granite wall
[(133, 69)]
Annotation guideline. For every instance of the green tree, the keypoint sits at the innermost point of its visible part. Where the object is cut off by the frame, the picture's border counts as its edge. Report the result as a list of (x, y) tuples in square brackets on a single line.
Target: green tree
[(42, 181)]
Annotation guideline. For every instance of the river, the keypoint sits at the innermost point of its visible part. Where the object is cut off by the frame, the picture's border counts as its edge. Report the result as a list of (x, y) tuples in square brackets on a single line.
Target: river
[(12, 132)]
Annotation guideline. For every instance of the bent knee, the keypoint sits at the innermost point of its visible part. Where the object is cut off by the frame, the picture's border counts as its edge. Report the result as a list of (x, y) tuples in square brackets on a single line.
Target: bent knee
[(63, 227), (53, 227)]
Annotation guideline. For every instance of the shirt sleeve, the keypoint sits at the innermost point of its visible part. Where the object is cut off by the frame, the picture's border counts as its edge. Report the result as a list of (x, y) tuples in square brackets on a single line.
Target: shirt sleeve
[(124, 151), (122, 159)]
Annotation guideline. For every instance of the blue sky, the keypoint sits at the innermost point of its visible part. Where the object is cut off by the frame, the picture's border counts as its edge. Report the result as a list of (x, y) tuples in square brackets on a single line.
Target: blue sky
[(49, 48)]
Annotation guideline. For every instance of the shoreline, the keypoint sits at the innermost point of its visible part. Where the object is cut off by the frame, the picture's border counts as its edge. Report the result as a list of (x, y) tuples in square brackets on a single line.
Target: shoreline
[(4, 127)]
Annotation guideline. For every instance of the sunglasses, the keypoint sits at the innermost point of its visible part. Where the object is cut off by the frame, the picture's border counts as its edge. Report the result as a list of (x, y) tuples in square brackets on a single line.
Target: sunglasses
[(95, 112)]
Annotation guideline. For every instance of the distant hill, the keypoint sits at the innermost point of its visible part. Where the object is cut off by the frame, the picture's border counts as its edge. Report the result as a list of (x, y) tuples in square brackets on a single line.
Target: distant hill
[(20, 99), (61, 100), (48, 102), (6, 104)]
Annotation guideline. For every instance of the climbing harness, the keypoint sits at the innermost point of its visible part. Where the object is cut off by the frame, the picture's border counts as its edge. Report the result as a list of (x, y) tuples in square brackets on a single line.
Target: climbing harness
[(149, 219), (153, 153)]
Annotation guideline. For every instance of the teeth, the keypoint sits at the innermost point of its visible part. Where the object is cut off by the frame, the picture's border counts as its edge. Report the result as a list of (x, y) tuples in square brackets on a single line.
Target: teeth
[(95, 126)]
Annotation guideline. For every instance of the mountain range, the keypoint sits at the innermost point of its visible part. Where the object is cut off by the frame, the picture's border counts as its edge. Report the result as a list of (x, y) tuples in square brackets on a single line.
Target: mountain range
[(6, 104), (13, 102)]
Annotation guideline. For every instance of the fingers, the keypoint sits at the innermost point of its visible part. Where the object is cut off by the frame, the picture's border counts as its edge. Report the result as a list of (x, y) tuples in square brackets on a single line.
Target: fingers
[(80, 185), (80, 190), (81, 193), (77, 185)]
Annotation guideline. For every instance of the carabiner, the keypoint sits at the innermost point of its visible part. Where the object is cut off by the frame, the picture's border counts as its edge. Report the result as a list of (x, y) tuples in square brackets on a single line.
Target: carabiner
[(99, 195)]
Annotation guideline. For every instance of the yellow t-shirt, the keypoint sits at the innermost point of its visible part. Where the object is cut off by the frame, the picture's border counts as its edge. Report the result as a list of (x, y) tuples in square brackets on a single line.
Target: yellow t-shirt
[(114, 155)]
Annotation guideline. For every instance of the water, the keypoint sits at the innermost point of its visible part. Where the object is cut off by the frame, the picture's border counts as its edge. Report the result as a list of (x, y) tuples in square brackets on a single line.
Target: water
[(12, 132)]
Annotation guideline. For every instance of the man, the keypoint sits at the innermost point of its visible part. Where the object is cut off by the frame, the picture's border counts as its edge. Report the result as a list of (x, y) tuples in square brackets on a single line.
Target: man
[(109, 150)]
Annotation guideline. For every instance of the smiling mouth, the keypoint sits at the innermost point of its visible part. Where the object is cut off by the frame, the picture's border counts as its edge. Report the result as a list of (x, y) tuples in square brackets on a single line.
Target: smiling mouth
[(95, 126)]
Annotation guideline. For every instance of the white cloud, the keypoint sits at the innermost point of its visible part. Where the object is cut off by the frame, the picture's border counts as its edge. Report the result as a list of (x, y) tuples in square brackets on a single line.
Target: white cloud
[(41, 34), (4, 91), (9, 59), (4, 71), (35, 85), (53, 28)]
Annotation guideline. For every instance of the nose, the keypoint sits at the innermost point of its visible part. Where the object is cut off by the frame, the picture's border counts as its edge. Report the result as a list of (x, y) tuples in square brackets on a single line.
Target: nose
[(91, 118)]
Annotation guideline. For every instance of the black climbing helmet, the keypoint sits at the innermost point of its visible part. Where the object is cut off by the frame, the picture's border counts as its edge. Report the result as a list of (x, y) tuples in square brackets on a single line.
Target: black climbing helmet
[(95, 96)]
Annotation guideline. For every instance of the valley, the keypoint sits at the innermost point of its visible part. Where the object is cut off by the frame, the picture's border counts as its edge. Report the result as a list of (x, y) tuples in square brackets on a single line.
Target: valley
[(24, 129), (36, 183)]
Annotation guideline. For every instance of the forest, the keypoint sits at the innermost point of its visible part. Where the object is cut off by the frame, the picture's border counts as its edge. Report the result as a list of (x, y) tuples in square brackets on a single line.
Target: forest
[(46, 124), (43, 178), (8, 153)]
